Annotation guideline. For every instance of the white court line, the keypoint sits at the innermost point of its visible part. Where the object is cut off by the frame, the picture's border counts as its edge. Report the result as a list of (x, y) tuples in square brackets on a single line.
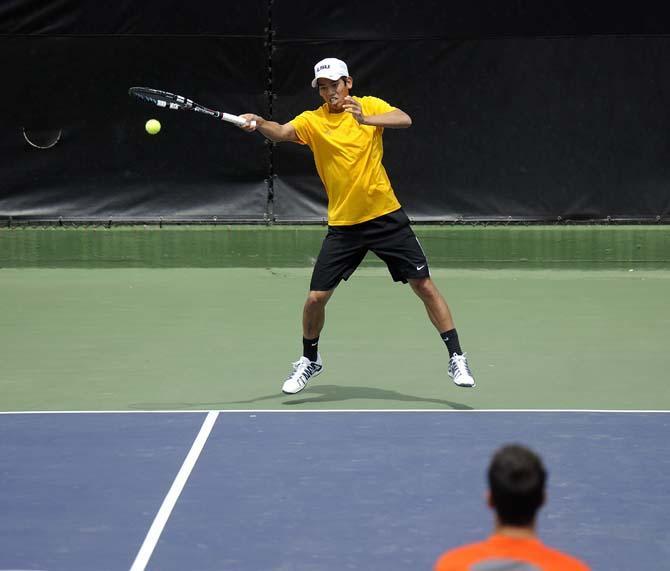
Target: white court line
[(347, 410), (170, 500)]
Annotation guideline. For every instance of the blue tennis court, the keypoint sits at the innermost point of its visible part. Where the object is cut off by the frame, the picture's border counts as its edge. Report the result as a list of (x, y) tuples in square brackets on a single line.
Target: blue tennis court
[(318, 490)]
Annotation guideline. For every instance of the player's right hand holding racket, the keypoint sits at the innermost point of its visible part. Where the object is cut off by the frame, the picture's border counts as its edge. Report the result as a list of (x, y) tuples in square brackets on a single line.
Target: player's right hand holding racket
[(269, 129), (253, 121)]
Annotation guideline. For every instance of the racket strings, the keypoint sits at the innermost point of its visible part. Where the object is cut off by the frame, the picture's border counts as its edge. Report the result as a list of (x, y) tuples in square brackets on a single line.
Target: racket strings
[(162, 99)]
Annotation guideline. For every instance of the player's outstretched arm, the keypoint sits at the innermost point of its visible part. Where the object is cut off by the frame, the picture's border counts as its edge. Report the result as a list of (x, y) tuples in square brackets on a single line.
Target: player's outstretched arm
[(269, 129)]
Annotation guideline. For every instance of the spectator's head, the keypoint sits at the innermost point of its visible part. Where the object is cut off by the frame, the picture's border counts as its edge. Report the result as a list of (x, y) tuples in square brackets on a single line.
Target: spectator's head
[(516, 485)]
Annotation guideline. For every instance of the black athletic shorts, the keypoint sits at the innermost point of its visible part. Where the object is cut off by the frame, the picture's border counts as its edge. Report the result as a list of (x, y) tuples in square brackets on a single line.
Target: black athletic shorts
[(390, 237)]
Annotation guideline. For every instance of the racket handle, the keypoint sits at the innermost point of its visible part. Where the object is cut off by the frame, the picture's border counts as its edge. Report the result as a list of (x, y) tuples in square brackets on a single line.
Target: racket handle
[(233, 119)]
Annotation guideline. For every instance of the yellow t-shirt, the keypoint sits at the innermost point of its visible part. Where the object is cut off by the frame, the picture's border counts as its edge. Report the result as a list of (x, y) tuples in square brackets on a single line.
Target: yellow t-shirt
[(348, 158)]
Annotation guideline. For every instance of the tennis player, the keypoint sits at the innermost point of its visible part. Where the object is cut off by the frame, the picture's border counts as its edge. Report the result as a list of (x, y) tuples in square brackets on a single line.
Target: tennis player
[(345, 136)]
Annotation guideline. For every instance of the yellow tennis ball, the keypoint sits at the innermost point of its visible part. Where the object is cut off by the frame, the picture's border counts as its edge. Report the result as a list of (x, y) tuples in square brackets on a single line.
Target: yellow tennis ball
[(152, 126)]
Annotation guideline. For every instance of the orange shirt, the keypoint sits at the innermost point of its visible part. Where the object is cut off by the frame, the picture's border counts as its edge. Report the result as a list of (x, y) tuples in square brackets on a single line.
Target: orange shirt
[(498, 552)]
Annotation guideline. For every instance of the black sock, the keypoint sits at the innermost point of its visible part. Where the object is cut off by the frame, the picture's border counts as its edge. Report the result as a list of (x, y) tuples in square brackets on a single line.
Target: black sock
[(310, 348), (450, 339)]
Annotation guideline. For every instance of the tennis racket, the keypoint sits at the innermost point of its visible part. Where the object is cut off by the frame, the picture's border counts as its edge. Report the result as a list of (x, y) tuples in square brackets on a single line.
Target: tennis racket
[(169, 100)]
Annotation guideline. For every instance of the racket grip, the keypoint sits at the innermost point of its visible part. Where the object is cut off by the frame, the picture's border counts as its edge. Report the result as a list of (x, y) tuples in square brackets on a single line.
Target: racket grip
[(233, 119), (253, 124)]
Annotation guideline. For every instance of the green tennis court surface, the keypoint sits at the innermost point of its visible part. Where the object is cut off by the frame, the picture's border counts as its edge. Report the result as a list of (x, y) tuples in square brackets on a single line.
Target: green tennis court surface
[(112, 337)]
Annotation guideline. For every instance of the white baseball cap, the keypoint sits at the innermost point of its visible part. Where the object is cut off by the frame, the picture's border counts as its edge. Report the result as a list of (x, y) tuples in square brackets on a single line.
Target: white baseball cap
[(330, 68)]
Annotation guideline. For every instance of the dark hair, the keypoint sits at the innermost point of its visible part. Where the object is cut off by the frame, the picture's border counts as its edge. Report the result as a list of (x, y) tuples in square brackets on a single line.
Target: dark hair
[(341, 78), (516, 479)]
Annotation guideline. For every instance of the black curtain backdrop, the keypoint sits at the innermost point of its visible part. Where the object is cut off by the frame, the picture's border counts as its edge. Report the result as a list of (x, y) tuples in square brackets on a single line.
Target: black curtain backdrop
[(522, 110), (105, 164), (523, 128)]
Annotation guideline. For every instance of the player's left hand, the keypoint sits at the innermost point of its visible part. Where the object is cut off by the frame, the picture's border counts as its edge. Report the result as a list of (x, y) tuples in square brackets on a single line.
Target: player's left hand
[(354, 107)]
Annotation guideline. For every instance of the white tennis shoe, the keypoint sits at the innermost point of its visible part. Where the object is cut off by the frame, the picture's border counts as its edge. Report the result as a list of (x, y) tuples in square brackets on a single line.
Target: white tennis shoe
[(303, 371), (459, 371)]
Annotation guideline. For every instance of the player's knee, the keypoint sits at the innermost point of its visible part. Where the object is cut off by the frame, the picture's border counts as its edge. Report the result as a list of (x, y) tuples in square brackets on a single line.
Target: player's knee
[(317, 298), (423, 287)]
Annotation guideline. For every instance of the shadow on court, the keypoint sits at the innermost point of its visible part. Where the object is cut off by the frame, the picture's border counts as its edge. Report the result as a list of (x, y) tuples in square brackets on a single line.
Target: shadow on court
[(317, 394), (339, 393)]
